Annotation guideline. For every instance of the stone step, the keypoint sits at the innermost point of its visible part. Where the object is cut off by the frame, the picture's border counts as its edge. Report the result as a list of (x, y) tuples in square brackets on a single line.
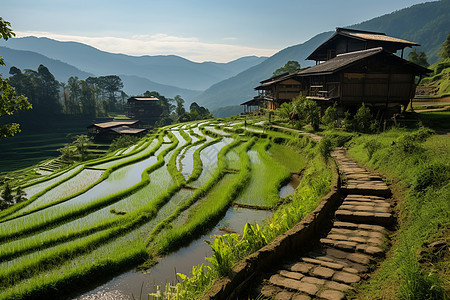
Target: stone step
[(373, 188), (364, 216)]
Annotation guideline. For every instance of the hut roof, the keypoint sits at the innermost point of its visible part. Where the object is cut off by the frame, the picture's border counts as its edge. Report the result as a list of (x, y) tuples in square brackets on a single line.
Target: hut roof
[(115, 123), (127, 130), (144, 99), (344, 60), (363, 36)]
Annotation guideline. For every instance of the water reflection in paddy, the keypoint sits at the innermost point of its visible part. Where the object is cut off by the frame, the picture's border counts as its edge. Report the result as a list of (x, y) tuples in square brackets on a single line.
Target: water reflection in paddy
[(130, 283)]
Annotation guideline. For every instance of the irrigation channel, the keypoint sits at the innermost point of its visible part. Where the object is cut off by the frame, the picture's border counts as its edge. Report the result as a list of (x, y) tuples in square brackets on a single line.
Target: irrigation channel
[(85, 226)]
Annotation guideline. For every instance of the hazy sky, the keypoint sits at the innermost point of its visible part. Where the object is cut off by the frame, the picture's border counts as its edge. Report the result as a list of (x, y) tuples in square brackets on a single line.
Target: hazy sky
[(200, 30)]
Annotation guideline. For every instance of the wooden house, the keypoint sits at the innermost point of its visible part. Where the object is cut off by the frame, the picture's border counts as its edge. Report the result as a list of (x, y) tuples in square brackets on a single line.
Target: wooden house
[(349, 40), (144, 108), (354, 67), (108, 131)]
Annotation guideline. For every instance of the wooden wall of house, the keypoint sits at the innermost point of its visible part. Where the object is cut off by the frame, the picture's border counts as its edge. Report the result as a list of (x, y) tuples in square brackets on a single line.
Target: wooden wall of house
[(377, 89)]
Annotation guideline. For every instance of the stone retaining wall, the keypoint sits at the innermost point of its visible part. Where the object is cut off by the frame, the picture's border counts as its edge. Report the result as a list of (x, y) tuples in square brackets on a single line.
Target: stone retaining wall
[(294, 242)]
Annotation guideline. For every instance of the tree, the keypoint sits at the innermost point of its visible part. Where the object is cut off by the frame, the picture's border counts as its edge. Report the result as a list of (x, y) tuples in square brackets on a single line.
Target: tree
[(180, 111), (290, 67), (9, 100), (330, 116), (363, 119), (111, 84), (81, 143), (87, 98), (49, 90), (445, 48), (20, 195), (7, 197), (419, 58)]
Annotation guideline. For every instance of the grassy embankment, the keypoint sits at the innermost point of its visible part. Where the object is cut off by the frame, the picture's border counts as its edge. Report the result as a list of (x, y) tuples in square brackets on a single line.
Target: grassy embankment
[(415, 163)]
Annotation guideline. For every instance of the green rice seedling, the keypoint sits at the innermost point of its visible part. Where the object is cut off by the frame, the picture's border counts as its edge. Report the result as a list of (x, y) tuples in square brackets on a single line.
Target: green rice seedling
[(105, 175), (48, 217), (198, 193), (266, 179), (197, 161)]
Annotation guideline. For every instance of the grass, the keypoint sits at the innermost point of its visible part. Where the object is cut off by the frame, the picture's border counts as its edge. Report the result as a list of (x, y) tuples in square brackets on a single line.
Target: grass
[(418, 168), (266, 178)]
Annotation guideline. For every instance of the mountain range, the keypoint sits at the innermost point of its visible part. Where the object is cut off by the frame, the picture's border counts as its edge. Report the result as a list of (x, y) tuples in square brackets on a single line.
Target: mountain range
[(169, 75), (210, 84)]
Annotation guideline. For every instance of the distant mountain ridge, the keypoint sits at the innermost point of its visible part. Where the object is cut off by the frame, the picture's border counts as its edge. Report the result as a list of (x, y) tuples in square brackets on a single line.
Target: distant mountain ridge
[(31, 60), (427, 24), (168, 70)]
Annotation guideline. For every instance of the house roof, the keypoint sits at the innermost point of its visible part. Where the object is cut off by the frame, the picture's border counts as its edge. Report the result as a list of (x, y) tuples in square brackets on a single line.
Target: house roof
[(363, 36), (144, 99), (127, 130), (256, 101), (344, 60), (114, 123), (273, 80)]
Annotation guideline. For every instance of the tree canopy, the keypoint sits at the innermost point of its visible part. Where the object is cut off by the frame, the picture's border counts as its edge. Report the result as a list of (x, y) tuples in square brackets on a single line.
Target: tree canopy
[(10, 101), (290, 67), (419, 58)]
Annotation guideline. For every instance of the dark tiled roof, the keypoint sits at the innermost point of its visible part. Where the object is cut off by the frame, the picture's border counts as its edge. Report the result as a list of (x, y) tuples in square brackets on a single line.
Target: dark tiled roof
[(340, 61)]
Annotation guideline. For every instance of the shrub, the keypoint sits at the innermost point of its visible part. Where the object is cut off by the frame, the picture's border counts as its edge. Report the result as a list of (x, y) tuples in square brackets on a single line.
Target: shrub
[(347, 122), (410, 142), (362, 119), (372, 146), (432, 175), (329, 117), (325, 147), (123, 141)]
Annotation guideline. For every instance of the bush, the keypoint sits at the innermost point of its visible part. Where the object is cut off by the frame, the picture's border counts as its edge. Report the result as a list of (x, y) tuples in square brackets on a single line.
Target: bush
[(123, 141), (372, 146), (330, 116), (411, 142), (432, 175), (363, 119), (325, 147)]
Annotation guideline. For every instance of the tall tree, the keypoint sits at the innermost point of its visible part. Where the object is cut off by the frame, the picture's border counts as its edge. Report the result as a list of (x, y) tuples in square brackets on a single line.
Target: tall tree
[(419, 58), (290, 67), (49, 91), (180, 106), (75, 91), (111, 84), (9, 100), (87, 98)]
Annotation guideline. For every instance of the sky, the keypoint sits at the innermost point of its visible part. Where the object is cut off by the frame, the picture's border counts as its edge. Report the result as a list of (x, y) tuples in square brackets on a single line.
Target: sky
[(199, 30)]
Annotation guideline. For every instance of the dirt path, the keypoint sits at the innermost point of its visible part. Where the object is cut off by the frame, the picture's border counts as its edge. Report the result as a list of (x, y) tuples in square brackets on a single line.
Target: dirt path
[(347, 253)]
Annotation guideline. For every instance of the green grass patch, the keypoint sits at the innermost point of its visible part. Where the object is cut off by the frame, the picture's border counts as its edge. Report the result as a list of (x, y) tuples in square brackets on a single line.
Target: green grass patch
[(417, 165)]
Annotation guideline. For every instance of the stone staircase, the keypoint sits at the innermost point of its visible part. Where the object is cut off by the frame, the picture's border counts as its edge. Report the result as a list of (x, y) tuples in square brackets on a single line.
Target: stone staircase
[(348, 252)]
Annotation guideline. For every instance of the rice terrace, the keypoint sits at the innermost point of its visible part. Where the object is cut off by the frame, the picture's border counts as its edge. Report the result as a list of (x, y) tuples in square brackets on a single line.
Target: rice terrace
[(159, 151)]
